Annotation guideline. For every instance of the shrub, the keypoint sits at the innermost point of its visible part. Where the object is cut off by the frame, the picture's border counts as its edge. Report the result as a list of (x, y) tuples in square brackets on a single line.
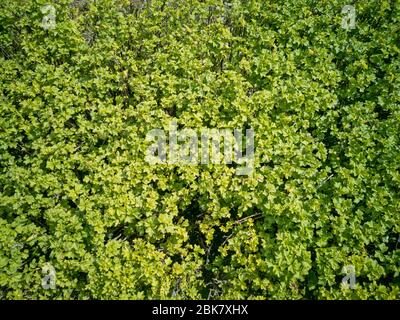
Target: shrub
[(76, 192)]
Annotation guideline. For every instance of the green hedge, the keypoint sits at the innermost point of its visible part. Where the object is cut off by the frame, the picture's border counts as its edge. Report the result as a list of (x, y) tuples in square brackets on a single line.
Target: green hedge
[(76, 192)]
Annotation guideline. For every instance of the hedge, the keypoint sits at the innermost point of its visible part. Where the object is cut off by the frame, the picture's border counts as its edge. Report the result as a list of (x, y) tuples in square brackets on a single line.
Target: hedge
[(77, 196)]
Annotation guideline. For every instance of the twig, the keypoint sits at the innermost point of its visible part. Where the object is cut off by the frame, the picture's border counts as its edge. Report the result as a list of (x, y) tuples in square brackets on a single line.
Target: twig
[(324, 181), (256, 216)]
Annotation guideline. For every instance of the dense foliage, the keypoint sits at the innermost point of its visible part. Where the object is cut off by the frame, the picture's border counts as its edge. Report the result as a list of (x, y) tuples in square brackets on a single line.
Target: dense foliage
[(76, 192)]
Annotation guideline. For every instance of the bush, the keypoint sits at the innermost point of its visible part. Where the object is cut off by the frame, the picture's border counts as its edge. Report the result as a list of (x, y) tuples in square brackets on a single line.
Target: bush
[(76, 193)]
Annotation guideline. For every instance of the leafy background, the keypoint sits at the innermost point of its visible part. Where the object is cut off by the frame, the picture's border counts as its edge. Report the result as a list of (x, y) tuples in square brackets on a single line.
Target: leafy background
[(78, 100)]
